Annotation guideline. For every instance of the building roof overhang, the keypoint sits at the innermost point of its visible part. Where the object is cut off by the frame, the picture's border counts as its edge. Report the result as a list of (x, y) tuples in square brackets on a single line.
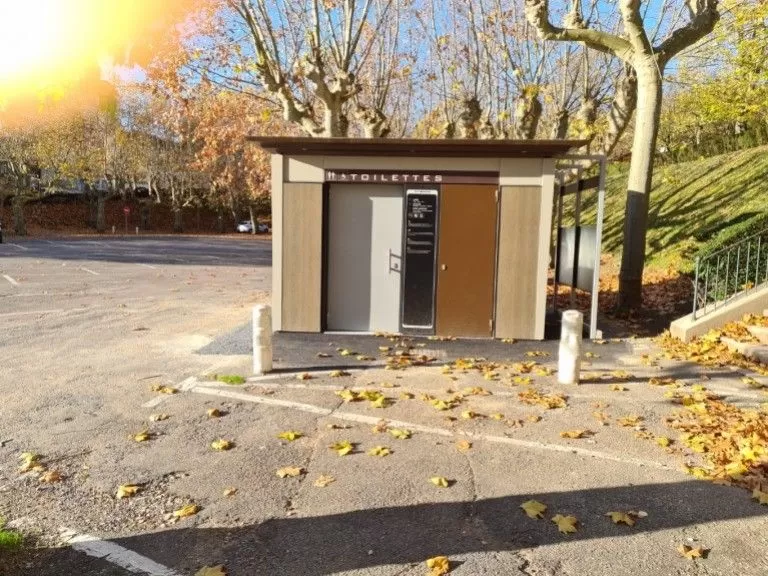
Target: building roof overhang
[(457, 148)]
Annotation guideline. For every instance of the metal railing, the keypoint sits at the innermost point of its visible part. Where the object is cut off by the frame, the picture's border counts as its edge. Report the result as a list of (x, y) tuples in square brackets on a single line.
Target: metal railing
[(730, 273)]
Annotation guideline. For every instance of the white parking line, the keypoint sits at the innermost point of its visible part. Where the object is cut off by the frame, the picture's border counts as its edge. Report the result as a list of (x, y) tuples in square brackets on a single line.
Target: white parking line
[(54, 311), (84, 269), (363, 419), (115, 554), (19, 246), (11, 280), (148, 265)]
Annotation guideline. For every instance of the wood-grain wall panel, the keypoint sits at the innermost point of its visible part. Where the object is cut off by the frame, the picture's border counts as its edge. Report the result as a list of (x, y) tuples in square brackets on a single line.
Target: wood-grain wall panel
[(302, 246), (517, 285)]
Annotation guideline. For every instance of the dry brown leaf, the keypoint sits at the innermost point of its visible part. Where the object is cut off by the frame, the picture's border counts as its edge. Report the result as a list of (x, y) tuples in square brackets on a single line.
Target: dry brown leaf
[(214, 413), (324, 480), (50, 477), (290, 472), (692, 552), (188, 510)]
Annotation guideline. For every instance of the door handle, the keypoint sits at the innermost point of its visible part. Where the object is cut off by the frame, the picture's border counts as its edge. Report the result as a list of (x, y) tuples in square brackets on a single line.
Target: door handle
[(443, 267)]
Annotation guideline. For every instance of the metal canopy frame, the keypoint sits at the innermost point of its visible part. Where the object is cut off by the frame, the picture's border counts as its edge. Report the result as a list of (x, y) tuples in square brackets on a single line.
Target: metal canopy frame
[(568, 164)]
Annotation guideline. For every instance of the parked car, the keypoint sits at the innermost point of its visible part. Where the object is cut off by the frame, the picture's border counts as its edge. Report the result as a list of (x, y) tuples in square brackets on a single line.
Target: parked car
[(246, 226)]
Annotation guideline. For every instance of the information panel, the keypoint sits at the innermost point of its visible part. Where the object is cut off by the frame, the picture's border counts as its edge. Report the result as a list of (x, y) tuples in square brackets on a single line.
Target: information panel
[(419, 262)]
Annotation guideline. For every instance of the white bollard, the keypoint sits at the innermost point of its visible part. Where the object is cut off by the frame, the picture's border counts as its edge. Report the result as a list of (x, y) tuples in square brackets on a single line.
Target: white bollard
[(569, 357), (262, 339), (137, 230), (113, 229)]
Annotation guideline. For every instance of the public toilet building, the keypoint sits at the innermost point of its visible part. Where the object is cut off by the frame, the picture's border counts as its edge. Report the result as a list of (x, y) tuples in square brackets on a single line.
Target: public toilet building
[(445, 237)]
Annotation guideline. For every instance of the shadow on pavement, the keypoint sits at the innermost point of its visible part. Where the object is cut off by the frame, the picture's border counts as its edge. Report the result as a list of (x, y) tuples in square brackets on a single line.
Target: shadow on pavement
[(362, 539)]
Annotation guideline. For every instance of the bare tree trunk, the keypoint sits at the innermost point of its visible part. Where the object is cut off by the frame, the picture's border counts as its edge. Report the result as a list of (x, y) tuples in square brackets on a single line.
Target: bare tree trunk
[(19, 221), (528, 113), (639, 185), (254, 221), (101, 218), (178, 220), (560, 127)]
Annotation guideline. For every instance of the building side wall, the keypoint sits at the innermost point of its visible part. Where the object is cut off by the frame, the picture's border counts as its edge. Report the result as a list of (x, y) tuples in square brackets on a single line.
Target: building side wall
[(302, 246)]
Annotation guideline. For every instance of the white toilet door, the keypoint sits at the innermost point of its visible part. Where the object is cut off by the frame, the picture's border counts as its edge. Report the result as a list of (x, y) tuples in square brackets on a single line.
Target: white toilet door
[(365, 227)]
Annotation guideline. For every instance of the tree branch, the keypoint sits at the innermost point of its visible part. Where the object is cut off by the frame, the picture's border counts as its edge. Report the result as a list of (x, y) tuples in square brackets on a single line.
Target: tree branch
[(702, 23), (537, 13)]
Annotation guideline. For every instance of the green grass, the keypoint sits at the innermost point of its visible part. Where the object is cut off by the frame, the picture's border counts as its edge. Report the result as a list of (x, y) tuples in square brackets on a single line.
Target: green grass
[(10, 540), (690, 202), (231, 379)]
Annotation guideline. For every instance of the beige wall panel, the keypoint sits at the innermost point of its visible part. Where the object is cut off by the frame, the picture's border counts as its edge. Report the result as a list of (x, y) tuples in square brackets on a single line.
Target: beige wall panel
[(521, 171), (304, 169), (276, 163), (302, 245), (518, 268)]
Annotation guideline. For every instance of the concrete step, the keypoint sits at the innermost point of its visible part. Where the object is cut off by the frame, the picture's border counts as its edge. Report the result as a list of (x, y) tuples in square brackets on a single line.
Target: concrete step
[(756, 352), (759, 332)]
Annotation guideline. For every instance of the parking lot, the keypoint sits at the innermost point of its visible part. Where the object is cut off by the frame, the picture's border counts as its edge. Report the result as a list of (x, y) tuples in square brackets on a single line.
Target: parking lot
[(91, 329)]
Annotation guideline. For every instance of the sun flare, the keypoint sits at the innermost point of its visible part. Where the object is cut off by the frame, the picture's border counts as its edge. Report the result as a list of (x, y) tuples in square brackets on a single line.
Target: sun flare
[(61, 47)]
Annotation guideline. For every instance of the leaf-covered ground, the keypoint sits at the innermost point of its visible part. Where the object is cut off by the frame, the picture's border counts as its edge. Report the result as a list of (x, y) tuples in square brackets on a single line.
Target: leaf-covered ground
[(471, 467)]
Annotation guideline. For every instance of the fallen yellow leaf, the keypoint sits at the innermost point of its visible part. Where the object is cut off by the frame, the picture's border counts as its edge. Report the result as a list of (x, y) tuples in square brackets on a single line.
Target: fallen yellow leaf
[(379, 451), (469, 414), (692, 552), (663, 441), (142, 436), (380, 402), (760, 496), (290, 472), (214, 413), (496, 416), (222, 445), (230, 491), (343, 448), (534, 509), (406, 396), (164, 389), (338, 374), (534, 418), (463, 445), (50, 477), (158, 417), (324, 480), (630, 420), (127, 490), (304, 376), (400, 434), (212, 571), (440, 481), (345, 352), (574, 434), (30, 461), (618, 388), (621, 518), (290, 435), (438, 566), (565, 524), (188, 510)]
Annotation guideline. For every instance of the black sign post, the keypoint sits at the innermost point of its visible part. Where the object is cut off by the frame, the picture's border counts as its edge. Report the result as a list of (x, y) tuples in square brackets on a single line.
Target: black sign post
[(419, 262)]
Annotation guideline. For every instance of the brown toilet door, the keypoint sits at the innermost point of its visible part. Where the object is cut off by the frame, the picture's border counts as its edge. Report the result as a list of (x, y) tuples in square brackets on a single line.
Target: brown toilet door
[(466, 260)]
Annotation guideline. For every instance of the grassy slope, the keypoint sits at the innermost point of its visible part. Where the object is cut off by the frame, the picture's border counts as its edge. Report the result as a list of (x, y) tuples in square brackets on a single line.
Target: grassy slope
[(689, 202)]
